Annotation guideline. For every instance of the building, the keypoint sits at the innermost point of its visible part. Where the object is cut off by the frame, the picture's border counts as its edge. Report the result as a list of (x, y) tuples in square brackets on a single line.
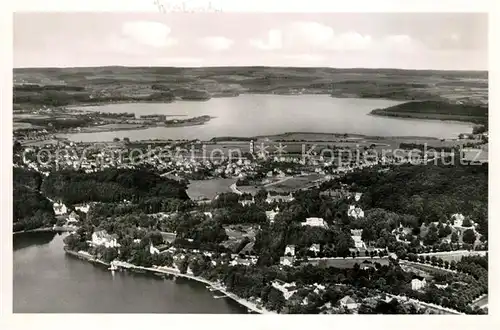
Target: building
[(287, 261), (315, 222), (153, 250), (82, 208), (316, 248), (247, 202), (348, 302), (335, 194), (355, 212), (73, 217), (252, 147), (103, 238), (458, 219), (356, 237), (358, 242), (357, 196), (279, 198), (272, 214), (290, 249), (417, 284), (60, 209), (241, 261), (288, 289)]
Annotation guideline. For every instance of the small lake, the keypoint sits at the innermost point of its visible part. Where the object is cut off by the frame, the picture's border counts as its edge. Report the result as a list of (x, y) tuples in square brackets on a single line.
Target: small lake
[(259, 114), (46, 280)]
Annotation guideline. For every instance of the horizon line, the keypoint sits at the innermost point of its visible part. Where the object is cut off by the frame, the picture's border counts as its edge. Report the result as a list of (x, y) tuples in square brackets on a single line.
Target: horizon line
[(248, 66)]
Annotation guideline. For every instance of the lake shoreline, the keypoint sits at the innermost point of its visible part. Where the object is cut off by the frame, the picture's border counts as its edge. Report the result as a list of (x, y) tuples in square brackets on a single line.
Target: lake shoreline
[(420, 117), (45, 230), (245, 303)]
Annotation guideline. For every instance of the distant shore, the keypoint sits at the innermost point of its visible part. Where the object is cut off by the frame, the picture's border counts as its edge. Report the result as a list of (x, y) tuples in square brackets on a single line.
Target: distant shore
[(171, 271)]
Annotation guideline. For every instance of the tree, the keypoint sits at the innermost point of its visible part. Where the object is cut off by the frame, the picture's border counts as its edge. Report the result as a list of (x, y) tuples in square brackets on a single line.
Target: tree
[(116, 139), (368, 235), (444, 231), (453, 264), (427, 259), (467, 222), (276, 301), (454, 237), (109, 254), (126, 140), (446, 264), (433, 260), (432, 236), (469, 236)]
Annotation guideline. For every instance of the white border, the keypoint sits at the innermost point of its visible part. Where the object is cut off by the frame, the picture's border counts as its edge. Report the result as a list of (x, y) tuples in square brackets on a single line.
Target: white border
[(183, 321)]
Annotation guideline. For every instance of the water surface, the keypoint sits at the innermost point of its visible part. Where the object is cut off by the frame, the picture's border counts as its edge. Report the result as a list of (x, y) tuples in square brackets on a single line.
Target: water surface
[(46, 280), (259, 114)]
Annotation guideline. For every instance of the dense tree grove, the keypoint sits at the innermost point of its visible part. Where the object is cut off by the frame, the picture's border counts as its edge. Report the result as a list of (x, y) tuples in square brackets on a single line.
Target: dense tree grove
[(30, 208), (110, 185)]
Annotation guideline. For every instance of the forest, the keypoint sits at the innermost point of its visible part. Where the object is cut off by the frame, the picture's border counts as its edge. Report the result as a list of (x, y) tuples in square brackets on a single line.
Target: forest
[(110, 185)]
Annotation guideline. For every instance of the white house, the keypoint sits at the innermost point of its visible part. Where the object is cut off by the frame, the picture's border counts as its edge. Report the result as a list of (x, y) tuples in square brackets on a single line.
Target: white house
[(288, 289), (290, 249), (357, 196), (287, 261), (417, 284), (316, 248), (103, 238), (272, 214), (356, 237), (348, 302), (315, 222), (73, 217), (355, 212), (82, 208), (358, 242), (279, 198), (457, 219), (60, 209)]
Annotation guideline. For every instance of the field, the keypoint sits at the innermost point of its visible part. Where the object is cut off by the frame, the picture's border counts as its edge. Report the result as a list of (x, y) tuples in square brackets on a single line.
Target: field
[(454, 255), (199, 189), (71, 86), (110, 127), (240, 231), (294, 183), (347, 262)]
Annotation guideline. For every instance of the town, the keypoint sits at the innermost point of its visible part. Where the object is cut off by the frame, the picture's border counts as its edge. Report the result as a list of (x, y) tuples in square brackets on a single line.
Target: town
[(280, 232)]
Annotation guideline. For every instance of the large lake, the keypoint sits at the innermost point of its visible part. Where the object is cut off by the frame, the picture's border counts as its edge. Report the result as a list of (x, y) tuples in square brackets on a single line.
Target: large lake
[(258, 114), (46, 280)]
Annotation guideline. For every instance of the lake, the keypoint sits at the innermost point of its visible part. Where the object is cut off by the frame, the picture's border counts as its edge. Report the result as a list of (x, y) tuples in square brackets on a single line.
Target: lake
[(46, 280), (260, 114)]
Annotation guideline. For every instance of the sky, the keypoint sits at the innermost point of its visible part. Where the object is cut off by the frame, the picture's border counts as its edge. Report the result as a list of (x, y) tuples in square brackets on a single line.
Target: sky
[(440, 41)]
